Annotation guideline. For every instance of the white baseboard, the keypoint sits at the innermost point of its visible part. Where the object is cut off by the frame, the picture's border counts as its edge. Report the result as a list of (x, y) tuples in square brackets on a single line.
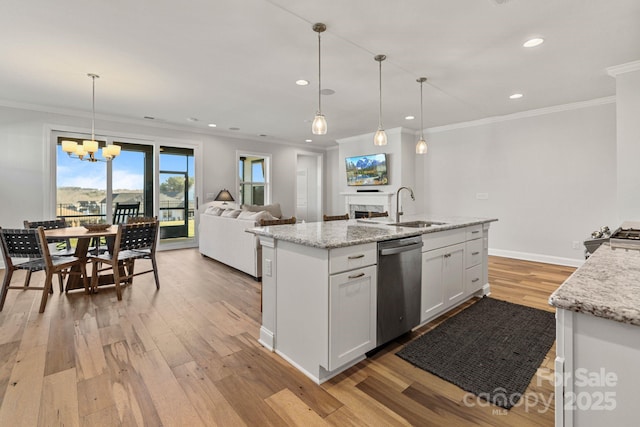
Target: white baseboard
[(548, 259), (266, 338)]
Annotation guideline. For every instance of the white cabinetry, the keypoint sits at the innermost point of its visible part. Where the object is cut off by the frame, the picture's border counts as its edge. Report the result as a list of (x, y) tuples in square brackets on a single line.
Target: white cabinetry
[(352, 315), (474, 248), (325, 306), (453, 269)]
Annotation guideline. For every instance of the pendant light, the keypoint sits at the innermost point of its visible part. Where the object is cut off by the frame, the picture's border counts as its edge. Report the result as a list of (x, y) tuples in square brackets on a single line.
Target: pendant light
[(380, 138), (421, 146), (319, 126)]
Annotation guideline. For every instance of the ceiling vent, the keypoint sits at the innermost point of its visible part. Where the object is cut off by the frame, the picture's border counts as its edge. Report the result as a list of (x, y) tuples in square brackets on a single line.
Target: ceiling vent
[(500, 2)]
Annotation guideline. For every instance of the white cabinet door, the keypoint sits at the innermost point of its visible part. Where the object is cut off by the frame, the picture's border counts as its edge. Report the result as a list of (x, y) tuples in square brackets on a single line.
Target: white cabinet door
[(352, 315), (453, 273), (432, 283)]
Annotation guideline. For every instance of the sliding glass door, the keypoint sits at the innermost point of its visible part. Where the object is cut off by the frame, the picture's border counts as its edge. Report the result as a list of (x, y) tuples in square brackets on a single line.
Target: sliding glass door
[(159, 177), (177, 194), (87, 192)]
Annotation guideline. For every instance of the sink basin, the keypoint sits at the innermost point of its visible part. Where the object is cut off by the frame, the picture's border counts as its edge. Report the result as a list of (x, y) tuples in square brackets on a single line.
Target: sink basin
[(418, 224)]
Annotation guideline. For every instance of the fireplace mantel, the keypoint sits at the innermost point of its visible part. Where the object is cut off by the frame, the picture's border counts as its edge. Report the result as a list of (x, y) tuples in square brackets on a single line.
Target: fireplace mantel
[(380, 199)]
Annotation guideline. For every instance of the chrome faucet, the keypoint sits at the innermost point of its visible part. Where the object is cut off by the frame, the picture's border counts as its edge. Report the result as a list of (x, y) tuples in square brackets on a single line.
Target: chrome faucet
[(398, 213)]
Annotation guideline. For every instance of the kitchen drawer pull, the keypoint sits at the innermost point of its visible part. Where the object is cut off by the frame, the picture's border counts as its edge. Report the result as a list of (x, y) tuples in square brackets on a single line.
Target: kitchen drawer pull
[(447, 255), (475, 232), (356, 276), (356, 256), (475, 280), (475, 253)]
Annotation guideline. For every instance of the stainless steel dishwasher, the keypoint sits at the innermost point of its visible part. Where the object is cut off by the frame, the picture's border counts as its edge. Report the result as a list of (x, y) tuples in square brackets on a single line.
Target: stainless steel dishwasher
[(399, 287)]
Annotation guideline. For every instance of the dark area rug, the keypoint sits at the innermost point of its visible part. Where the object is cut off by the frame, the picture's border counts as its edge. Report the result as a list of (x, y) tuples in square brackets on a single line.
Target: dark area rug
[(491, 349)]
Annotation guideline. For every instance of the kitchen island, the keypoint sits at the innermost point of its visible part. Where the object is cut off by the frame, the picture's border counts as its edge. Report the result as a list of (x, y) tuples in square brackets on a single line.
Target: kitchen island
[(598, 341), (319, 283)]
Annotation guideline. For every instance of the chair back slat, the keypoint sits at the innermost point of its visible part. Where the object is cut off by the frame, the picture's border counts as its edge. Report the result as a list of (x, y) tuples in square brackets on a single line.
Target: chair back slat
[(123, 211), (141, 219), (335, 217), (21, 243), (138, 236), (52, 224)]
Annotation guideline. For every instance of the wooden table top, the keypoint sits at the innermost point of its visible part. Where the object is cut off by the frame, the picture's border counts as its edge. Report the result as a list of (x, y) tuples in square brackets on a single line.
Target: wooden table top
[(80, 232)]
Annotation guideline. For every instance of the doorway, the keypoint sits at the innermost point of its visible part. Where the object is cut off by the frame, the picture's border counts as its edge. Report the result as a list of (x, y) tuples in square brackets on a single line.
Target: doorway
[(177, 202), (308, 187)]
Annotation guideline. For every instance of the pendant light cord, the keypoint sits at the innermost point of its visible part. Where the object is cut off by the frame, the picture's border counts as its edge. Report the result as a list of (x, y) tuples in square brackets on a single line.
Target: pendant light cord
[(421, 114), (319, 78), (93, 108), (380, 90)]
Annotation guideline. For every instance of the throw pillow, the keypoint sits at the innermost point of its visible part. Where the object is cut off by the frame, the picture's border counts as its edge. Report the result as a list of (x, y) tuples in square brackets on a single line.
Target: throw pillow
[(256, 216), (273, 209), (231, 213), (209, 209), (217, 211)]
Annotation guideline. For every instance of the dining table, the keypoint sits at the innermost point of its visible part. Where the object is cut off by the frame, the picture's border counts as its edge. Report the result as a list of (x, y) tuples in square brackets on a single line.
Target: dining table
[(84, 238)]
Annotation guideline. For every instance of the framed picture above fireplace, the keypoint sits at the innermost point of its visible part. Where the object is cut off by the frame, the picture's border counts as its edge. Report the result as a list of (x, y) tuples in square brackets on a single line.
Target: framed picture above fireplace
[(369, 169)]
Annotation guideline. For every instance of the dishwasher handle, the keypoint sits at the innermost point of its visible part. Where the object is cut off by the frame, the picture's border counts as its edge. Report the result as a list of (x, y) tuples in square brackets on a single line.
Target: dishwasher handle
[(400, 249)]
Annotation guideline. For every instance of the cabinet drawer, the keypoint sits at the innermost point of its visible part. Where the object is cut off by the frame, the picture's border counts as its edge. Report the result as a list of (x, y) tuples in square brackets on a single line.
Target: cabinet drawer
[(473, 278), (473, 252), (350, 257), (441, 239), (474, 232)]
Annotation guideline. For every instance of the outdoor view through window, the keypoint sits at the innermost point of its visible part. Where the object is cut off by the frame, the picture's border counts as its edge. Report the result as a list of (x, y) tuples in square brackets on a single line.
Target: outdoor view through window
[(83, 192)]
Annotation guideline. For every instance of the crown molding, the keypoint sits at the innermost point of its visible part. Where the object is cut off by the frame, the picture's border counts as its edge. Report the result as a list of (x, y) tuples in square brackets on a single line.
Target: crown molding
[(524, 114), (616, 70)]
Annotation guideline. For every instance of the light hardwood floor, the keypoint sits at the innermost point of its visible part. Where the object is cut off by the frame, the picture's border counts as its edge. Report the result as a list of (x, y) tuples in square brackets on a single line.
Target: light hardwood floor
[(187, 355)]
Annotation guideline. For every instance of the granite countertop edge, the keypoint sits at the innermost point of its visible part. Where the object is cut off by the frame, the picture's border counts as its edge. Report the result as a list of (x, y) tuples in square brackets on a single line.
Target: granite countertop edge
[(607, 285), (295, 233)]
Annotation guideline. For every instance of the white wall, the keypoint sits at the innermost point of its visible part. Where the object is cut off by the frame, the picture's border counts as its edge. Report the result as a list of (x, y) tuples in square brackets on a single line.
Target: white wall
[(550, 179), (628, 126), (24, 184), (400, 151)]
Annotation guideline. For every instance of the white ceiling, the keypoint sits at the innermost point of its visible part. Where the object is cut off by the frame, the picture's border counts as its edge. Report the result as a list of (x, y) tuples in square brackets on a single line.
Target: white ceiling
[(234, 62)]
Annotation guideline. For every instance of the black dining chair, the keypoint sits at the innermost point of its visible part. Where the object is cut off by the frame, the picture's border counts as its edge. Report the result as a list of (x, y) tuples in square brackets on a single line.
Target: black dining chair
[(62, 246), (132, 242), (123, 211), (30, 244)]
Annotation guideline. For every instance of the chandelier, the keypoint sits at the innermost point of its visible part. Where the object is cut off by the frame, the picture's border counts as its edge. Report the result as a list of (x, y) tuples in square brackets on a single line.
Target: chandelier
[(88, 149)]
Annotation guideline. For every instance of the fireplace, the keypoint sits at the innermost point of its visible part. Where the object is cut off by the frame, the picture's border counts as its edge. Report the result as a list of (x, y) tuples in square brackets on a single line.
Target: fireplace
[(358, 205)]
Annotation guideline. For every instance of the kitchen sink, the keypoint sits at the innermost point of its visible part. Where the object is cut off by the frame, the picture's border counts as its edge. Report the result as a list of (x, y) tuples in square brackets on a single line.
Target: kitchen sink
[(418, 224)]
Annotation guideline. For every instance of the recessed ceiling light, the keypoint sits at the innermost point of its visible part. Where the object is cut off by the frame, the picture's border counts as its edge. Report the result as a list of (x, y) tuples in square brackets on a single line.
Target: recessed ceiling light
[(308, 140), (327, 91), (212, 125), (302, 82), (234, 128), (516, 96), (262, 134), (410, 117), (533, 42)]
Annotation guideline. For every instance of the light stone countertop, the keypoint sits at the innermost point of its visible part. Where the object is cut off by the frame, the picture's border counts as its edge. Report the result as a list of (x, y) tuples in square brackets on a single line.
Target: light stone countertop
[(336, 234), (607, 285)]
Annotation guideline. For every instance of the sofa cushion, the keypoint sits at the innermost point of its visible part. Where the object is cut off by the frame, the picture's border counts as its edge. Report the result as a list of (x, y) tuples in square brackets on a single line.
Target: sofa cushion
[(273, 209), (256, 216), (231, 213)]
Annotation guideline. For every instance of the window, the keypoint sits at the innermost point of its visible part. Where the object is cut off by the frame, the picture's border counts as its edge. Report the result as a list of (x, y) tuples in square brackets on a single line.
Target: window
[(253, 179)]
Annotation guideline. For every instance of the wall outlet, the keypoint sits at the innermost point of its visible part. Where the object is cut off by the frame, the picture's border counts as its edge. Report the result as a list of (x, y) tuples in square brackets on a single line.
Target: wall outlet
[(482, 196), (575, 244)]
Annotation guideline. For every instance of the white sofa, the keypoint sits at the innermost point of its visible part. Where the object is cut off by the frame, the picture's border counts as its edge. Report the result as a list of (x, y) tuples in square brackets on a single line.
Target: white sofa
[(225, 239)]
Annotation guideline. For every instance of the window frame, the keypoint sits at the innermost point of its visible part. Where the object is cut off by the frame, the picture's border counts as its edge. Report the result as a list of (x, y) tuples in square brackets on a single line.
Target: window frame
[(253, 157)]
